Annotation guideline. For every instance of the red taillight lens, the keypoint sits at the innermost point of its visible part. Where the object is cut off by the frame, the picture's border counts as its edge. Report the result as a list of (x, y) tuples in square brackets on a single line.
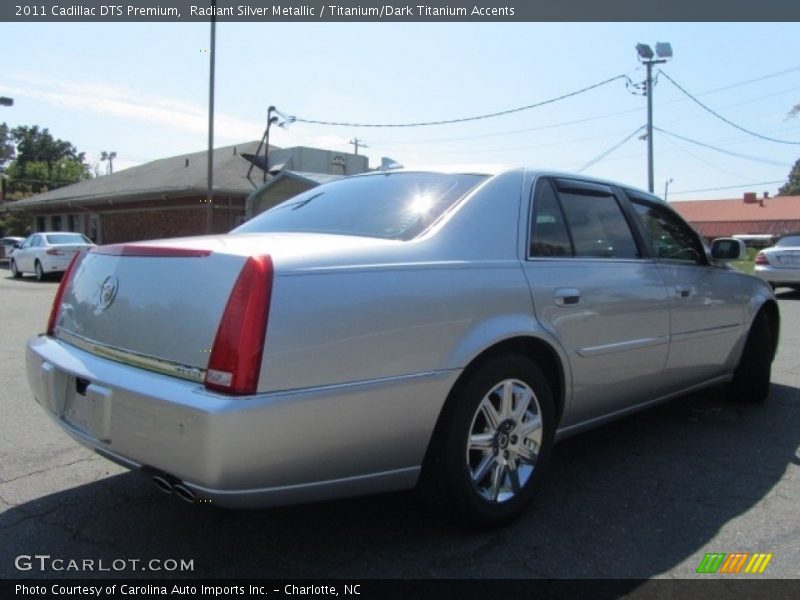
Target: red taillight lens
[(235, 361), (55, 252), (62, 287), (761, 259)]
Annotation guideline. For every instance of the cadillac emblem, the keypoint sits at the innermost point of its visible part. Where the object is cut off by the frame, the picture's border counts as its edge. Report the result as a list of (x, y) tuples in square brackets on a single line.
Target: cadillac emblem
[(108, 291)]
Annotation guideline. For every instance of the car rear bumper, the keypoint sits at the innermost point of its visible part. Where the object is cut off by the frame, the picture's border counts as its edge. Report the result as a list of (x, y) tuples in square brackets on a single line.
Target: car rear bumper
[(267, 449), (778, 276)]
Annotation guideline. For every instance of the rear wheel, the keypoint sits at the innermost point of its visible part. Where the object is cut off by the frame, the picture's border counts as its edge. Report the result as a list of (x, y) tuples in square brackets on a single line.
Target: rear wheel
[(14, 270), (37, 267), (492, 443), (752, 376)]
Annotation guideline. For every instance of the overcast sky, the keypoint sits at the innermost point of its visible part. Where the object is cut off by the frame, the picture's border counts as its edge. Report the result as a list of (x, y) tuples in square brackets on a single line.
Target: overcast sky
[(141, 90)]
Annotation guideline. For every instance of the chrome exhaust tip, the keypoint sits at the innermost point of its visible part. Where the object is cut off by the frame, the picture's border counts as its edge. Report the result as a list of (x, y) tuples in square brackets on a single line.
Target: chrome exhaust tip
[(164, 484), (184, 493)]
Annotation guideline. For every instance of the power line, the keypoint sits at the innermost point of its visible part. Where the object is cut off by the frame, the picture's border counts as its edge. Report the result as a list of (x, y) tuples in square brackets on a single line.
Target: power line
[(463, 119), (728, 121), (700, 158), (710, 147), (602, 155)]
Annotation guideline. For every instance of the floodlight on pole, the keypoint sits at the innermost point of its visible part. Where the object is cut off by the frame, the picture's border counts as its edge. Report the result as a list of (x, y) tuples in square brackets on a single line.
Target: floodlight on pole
[(5, 101), (648, 59)]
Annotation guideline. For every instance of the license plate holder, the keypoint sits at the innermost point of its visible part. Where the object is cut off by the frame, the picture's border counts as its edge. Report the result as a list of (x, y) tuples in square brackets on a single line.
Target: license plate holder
[(87, 407)]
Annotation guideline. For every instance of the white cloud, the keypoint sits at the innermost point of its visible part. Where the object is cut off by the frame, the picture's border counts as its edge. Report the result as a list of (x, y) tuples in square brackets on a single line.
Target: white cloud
[(126, 103)]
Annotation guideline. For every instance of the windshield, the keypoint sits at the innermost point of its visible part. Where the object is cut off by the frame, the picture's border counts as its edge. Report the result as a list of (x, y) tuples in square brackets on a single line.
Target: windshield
[(789, 240), (396, 206), (67, 238)]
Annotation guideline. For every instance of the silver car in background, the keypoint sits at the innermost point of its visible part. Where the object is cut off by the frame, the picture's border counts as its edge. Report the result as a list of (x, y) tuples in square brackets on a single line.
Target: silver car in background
[(394, 330), (780, 264)]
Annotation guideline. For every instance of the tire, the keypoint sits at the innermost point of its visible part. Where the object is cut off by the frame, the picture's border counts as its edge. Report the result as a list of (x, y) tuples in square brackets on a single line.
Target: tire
[(491, 445), (16, 273), (752, 376), (40, 275)]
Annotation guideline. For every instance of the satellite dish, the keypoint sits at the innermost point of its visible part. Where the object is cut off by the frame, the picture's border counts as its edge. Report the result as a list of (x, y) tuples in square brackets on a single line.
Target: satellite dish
[(389, 164)]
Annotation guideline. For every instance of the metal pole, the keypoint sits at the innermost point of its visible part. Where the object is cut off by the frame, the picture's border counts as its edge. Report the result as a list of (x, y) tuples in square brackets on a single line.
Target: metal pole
[(210, 174), (649, 92)]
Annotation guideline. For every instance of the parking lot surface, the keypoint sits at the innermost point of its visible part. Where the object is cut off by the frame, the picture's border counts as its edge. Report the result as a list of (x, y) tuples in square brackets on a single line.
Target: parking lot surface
[(647, 496)]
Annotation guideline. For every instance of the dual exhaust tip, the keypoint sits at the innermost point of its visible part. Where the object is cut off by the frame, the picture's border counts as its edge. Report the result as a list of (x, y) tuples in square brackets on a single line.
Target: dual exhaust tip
[(172, 485)]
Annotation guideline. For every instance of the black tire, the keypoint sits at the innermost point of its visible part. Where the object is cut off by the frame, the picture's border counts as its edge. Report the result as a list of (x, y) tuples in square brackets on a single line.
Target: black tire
[(16, 273), (752, 376), (39, 271), (451, 482)]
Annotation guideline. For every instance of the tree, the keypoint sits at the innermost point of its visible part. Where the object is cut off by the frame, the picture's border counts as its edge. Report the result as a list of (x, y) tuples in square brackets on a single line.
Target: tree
[(792, 186), (7, 149), (42, 162)]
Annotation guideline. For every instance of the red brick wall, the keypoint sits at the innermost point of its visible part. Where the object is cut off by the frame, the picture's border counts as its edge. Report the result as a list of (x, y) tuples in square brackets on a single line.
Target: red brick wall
[(120, 227)]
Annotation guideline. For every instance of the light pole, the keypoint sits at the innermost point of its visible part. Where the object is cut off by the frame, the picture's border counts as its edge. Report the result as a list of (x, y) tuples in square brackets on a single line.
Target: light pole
[(210, 165), (666, 188), (647, 57)]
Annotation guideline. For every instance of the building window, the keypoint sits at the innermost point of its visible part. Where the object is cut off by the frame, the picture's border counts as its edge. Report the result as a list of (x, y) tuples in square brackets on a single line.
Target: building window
[(74, 223), (55, 223), (41, 224)]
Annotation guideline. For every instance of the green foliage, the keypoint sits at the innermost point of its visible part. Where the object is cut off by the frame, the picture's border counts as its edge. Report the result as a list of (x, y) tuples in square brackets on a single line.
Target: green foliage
[(15, 223), (7, 149), (792, 186), (41, 162)]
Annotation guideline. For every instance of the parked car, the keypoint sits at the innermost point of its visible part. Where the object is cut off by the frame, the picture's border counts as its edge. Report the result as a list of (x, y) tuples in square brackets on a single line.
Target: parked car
[(7, 246), (780, 264), (393, 330), (47, 253)]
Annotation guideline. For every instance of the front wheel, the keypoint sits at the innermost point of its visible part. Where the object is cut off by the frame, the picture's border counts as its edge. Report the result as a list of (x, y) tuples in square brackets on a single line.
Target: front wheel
[(492, 443), (15, 272)]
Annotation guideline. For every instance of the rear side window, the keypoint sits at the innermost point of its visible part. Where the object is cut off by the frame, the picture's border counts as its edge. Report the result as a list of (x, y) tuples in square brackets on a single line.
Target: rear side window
[(789, 240), (549, 235), (584, 224)]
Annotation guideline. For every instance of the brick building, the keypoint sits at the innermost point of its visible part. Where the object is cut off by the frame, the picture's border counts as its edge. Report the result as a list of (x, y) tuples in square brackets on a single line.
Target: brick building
[(166, 197)]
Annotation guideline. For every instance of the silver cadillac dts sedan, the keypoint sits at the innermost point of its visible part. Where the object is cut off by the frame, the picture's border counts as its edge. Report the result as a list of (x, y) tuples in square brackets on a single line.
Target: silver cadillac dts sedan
[(396, 330)]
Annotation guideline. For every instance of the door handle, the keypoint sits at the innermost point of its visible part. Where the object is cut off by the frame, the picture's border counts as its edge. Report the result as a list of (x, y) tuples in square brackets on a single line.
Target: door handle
[(567, 296), (683, 291)]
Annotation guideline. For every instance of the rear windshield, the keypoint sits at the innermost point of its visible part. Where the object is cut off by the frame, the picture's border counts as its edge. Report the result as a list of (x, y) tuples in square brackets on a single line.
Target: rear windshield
[(396, 206), (66, 238), (789, 240)]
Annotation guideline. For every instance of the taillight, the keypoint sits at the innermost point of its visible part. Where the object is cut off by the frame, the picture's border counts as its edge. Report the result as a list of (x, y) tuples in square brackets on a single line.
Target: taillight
[(55, 252), (235, 361), (761, 259), (62, 287)]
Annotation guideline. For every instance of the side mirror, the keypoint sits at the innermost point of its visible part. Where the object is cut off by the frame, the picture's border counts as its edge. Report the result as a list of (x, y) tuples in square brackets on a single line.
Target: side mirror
[(17, 245), (726, 249)]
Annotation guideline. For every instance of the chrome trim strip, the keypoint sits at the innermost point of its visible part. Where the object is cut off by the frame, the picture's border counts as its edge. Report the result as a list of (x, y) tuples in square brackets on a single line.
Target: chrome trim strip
[(622, 346), (688, 335), (133, 359)]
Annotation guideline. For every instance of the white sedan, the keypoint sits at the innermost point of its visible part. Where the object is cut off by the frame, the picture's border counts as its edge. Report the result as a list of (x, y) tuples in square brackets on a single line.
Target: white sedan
[(780, 264), (47, 252)]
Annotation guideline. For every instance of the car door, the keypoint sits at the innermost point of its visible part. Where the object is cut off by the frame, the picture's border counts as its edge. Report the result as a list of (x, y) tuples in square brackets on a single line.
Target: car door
[(598, 294), (707, 302), (24, 256)]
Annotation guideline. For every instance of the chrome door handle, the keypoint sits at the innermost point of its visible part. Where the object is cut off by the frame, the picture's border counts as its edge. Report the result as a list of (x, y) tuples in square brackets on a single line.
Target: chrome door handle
[(567, 296)]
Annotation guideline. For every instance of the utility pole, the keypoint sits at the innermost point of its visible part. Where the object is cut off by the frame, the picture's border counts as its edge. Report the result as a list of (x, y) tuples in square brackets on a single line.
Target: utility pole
[(646, 56), (666, 188), (356, 142), (210, 167)]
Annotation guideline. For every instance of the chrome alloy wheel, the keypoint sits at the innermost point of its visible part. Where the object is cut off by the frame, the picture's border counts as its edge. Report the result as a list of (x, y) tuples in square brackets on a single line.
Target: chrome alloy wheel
[(505, 438)]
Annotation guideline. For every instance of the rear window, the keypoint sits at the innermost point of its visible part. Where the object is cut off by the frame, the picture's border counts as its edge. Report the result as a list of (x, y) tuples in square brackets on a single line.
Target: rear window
[(396, 206), (66, 238), (789, 240)]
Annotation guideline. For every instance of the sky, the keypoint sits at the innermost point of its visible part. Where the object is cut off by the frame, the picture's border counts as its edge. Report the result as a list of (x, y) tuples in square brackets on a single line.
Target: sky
[(141, 90)]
